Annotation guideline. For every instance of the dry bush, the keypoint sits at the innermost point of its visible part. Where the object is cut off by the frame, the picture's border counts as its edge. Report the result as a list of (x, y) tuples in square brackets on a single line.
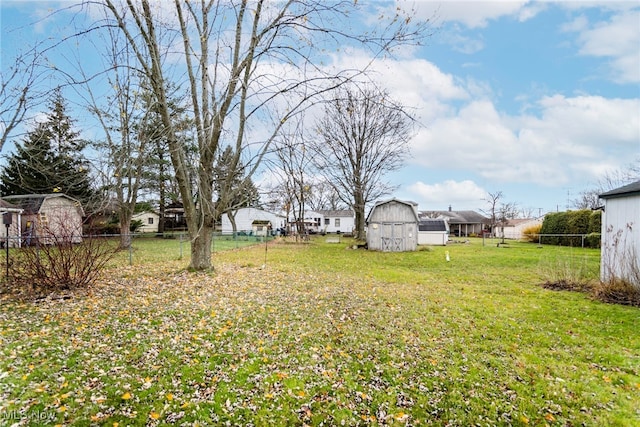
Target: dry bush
[(617, 291), (58, 259), (531, 233), (567, 274)]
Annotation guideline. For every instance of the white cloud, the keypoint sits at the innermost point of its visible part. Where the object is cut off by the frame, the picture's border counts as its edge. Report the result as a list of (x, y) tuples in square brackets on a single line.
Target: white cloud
[(617, 39), (477, 13), (570, 138), (460, 195)]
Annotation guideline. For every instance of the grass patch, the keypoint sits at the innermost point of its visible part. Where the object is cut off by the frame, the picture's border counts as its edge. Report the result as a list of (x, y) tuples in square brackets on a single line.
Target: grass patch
[(325, 335)]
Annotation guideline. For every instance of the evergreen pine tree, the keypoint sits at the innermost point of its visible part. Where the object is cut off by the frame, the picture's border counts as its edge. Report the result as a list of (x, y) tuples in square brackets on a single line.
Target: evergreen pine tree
[(49, 159)]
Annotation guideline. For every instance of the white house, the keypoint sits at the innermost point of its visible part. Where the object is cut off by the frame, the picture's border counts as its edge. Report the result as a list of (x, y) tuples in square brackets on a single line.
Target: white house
[(433, 232), (149, 220), (337, 221), (620, 239), (253, 220), (514, 228)]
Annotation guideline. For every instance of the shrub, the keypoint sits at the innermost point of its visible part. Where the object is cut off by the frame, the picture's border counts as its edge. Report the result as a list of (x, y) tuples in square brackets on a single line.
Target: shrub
[(577, 223), (567, 274), (572, 222), (617, 291), (532, 233), (554, 223), (59, 260)]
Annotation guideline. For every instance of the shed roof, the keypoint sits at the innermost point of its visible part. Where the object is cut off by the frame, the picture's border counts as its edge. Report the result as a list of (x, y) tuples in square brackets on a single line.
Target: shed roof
[(412, 205), (6, 205), (31, 203), (432, 225), (624, 191)]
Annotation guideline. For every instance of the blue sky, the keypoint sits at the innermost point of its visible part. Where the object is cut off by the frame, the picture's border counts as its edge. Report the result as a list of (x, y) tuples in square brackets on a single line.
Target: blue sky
[(534, 99)]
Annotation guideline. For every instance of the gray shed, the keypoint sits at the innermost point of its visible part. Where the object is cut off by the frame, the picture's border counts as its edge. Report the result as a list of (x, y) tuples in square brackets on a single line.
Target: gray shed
[(392, 226)]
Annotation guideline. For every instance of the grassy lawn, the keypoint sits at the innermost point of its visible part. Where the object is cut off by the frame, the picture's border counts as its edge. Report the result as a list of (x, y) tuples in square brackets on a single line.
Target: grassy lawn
[(325, 335)]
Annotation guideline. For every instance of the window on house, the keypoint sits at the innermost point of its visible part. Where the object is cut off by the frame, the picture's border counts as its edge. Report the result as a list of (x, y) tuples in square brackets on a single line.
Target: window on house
[(327, 221), (150, 220), (337, 222)]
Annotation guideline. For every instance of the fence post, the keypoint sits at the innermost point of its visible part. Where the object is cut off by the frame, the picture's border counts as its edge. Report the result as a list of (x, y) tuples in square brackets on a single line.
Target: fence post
[(181, 234), (130, 249)]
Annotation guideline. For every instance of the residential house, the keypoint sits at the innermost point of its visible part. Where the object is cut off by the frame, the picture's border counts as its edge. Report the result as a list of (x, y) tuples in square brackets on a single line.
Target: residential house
[(461, 223), (253, 220), (174, 218), (11, 219), (620, 238), (337, 221), (392, 226), (514, 228), (149, 221), (49, 218)]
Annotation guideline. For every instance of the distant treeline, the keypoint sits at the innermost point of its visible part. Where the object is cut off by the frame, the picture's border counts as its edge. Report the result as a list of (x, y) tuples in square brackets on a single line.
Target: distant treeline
[(573, 222)]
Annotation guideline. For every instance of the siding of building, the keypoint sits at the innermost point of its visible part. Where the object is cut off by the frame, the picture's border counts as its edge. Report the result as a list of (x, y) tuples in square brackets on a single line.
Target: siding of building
[(392, 226), (620, 256), (149, 220), (245, 218)]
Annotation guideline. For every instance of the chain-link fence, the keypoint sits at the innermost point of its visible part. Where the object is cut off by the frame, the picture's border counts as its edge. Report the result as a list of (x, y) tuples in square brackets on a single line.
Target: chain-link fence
[(144, 248)]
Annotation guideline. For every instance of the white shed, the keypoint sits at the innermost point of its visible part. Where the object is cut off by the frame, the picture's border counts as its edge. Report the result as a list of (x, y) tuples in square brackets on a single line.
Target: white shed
[(392, 226), (48, 218), (620, 240), (433, 232)]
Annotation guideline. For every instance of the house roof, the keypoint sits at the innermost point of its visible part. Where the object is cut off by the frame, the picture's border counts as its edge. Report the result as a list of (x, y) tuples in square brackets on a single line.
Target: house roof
[(624, 191), (337, 213), (432, 225), (456, 217), (31, 203)]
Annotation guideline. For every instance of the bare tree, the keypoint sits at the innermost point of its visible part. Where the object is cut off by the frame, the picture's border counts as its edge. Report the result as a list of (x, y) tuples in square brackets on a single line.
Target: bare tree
[(295, 164), (589, 199), (493, 200), (323, 196), (244, 61), (363, 136), (17, 84), (123, 151)]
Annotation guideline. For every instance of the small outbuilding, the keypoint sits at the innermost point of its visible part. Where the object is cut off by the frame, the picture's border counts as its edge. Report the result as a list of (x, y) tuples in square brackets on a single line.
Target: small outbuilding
[(49, 218), (620, 239), (392, 226), (433, 232)]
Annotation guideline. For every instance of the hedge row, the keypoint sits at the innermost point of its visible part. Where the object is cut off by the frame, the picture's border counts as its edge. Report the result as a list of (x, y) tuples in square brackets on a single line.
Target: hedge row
[(573, 222)]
